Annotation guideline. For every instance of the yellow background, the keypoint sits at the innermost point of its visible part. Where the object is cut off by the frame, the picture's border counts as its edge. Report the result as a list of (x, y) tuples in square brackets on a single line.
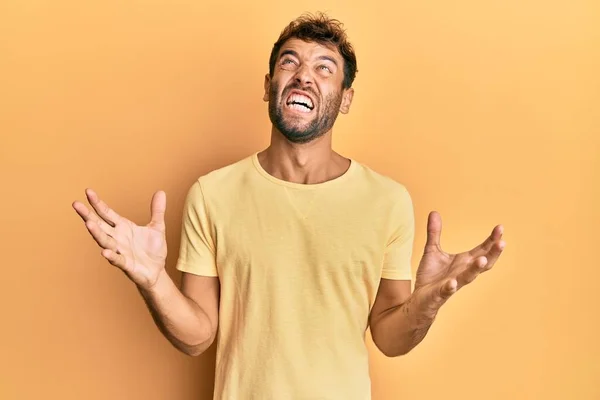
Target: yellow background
[(488, 111)]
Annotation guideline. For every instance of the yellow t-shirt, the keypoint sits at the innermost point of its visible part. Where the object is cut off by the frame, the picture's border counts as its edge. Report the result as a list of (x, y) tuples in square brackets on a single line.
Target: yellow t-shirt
[(299, 267)]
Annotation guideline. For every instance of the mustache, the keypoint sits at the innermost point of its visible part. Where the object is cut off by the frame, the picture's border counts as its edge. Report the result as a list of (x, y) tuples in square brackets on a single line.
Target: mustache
[(298, 86)]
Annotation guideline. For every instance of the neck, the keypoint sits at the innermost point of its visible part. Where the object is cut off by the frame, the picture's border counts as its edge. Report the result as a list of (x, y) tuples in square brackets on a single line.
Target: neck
[(306, 163)]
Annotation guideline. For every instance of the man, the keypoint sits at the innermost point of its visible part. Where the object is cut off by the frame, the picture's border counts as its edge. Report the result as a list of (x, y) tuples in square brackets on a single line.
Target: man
[(290, 254)]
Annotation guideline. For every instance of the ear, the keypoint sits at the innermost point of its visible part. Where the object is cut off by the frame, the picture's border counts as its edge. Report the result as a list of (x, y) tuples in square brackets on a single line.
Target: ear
[(346, 100), (267, 87)]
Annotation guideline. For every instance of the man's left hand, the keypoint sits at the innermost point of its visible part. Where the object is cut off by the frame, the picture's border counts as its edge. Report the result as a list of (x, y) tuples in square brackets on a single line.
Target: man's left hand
[(440, 274)]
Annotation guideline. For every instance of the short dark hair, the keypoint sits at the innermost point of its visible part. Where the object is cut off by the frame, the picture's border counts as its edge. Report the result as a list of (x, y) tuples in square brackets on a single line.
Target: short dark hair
[(323, 30)]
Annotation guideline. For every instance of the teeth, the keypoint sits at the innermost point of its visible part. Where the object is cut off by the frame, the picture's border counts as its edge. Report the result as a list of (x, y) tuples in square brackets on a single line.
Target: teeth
[(298, 98), (299, 107)]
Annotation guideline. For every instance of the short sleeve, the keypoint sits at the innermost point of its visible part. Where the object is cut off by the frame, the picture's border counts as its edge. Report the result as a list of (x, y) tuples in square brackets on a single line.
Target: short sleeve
[(197, 249), (398, 252)]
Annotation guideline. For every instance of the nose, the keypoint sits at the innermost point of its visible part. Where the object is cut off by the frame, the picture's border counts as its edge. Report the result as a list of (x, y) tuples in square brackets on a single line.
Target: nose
[(303, 75)]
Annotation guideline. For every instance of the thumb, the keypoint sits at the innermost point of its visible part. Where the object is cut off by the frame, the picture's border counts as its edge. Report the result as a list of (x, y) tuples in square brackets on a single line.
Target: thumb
[(434, 229), (158, 208)]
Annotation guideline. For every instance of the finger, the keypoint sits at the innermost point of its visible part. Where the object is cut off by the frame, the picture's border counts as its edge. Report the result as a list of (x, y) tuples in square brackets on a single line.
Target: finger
[(476, 267), (103, 210), (157, 210), (85, 213), (106, 228), (434, 230), (487, 244), (494, 253), (116, 259), (88, 215), (105, 241), (448, 289)]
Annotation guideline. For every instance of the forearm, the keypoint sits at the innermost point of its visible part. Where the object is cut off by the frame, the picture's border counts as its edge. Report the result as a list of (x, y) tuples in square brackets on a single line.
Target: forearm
[(179, 318), (399, 329)]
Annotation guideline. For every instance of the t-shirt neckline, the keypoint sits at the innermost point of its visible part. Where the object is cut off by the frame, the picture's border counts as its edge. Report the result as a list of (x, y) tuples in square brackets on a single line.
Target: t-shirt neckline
[(303, 186)]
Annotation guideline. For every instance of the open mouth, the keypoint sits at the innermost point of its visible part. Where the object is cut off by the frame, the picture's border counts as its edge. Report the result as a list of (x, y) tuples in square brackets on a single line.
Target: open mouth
[(300, 103)]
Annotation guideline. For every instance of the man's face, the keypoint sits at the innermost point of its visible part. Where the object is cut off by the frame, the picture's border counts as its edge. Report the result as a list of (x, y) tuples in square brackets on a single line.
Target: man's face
[(305, 93)]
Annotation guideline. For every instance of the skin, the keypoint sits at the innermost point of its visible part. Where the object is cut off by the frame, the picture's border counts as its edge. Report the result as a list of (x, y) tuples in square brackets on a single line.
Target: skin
[(187, 316), (311, 68), (300, 151), (400, 320)]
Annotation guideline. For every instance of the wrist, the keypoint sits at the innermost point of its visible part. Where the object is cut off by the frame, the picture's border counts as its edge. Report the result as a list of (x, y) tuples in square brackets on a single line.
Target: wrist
[(424, 307), (156, 285)]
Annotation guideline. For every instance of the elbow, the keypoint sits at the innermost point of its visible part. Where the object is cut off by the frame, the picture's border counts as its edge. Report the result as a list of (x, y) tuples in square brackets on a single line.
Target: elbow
[(390, 349), (192, 351), (196, 349), (396, 352)]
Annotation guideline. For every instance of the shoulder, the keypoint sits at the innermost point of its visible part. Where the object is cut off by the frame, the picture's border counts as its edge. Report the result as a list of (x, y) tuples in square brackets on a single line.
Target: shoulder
[(227, 174), (380, 184), (223, 179), (219, 181)]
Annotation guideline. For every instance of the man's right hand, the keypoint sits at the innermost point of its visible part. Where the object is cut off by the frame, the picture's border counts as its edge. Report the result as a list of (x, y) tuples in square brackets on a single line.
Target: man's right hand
[(139, 251)]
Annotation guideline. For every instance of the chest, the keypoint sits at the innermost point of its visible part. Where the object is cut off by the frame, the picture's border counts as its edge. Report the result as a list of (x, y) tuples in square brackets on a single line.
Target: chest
[(311, 238)]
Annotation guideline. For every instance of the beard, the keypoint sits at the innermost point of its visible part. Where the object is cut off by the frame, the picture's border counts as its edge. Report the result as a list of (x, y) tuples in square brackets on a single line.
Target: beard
[(295, 130)]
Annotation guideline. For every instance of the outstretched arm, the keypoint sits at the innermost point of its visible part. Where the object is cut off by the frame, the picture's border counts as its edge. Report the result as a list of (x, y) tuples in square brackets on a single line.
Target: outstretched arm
[(188, 318), (400, 320)]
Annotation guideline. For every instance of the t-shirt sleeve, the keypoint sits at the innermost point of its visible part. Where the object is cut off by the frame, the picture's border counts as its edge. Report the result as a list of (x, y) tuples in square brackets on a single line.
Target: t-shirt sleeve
[(197, 249), (398, 252)]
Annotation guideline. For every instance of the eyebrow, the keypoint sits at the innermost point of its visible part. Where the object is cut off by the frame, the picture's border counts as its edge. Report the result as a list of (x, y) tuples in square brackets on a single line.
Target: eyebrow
[(288, 52), (327, 58), (295, 54)]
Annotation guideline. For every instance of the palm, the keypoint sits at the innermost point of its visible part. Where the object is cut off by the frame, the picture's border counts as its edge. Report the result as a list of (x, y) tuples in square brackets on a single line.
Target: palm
[(434, 266), (144, 248), (441, 274), (140, 251)]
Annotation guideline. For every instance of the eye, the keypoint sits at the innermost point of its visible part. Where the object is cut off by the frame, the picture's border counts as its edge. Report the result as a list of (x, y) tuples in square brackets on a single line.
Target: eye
[(287, 61), (324, 67)]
